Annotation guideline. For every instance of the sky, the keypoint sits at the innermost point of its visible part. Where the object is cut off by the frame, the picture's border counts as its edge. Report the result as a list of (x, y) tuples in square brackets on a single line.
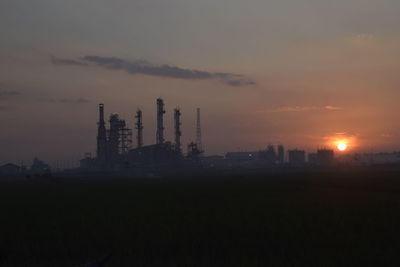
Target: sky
[(295, 72)]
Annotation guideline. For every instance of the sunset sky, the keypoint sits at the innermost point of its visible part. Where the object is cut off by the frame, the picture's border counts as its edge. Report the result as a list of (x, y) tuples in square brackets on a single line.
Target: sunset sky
[(297, 72)]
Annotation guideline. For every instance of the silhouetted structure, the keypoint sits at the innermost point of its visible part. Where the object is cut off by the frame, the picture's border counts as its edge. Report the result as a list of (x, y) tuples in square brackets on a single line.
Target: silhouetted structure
[(161, 155), (160, 121), (139, 128), (325, 157), (268, 155), (114, 152), (281, 154), (39, 168), (312, 158), (101, 136), (11, 169), (177, 126), (297, 157), (193, 152), (242, 156), (119, 137)]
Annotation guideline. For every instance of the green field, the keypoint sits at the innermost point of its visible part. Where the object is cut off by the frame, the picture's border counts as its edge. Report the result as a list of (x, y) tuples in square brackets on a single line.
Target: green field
[(298, 219)]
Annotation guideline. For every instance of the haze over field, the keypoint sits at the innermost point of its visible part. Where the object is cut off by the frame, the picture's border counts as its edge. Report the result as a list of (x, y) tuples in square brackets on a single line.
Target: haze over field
[(297, 72)]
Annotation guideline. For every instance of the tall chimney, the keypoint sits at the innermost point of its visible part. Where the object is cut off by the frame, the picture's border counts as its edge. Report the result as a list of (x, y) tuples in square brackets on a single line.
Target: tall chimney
[(139, 128), (160, 121), (178, 133), (101, 135)]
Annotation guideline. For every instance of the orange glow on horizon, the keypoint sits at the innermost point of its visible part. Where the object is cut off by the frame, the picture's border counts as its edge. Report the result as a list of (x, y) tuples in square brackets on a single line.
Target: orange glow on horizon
[(342, 143), (342, 146)]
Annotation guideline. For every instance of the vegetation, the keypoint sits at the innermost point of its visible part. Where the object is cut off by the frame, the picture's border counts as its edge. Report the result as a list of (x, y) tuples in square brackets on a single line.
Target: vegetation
[(298, 219)]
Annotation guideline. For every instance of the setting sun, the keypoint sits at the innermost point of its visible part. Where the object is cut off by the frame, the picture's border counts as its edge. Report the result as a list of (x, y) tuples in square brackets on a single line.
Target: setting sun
[(342, 146), (341, 142)]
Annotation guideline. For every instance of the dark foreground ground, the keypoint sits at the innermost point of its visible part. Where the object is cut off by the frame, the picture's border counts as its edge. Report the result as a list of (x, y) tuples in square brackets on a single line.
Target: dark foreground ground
[(308, 219)]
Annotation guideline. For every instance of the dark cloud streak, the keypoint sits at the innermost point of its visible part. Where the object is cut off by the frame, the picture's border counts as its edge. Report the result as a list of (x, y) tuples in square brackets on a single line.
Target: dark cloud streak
[(163, 70), (63, 61), (6, 93), (80, 100)]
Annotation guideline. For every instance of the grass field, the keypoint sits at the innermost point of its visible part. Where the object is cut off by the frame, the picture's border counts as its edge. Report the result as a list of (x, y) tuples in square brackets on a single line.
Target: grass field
[(303, 219)]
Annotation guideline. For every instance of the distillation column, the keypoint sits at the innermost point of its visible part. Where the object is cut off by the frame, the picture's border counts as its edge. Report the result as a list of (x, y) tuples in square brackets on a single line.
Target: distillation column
[(101, 135), (139, 128), (178, 133), (160, 121)]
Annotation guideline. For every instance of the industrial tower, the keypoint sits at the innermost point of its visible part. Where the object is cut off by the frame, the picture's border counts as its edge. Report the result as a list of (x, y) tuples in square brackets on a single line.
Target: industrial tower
[(101, 135), (281, 154), (178, 133), (198, 131), (139, 128), (160, 121), (119, 137)]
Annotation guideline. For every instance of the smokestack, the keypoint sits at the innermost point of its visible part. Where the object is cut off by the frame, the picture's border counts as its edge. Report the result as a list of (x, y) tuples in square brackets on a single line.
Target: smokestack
[(139, 128), (198, 131), (160, 121), (178, 133), (101, 114), (114, 136), (101, 135)]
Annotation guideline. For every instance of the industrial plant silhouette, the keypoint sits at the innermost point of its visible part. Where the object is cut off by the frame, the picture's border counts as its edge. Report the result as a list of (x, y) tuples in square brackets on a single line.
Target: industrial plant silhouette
[(114, 146), (121, 151), (118, 153)]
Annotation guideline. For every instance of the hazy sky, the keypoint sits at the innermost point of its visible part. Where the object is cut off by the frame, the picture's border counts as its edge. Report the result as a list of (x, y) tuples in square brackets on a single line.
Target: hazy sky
[(297, 72)]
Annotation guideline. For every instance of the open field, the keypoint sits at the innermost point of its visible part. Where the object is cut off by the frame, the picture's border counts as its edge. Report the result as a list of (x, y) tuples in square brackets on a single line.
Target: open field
[(303, 219)]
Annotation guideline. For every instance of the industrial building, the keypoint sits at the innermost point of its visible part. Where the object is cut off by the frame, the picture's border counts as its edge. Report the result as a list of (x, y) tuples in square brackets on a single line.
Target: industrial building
[(325, 157), (297, 157), (115, 150), (267, 157)]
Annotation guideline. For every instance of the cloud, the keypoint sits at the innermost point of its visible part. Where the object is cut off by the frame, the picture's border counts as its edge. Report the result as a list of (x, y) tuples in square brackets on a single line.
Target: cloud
[(7, 93), (302, 109), (386, 135), (365, 36), (333, 108), (80, 100), (63, 61), (292, 109), (160, 70)]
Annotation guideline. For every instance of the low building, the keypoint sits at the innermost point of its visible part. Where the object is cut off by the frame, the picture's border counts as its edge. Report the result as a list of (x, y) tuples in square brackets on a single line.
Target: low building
[(269, 155), (10, 169), (325, 157), (297, 157), (241, 156), (312, 158)]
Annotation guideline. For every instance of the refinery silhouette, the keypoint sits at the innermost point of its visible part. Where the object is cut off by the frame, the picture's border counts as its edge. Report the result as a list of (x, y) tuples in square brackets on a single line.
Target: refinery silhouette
[(120, 150)]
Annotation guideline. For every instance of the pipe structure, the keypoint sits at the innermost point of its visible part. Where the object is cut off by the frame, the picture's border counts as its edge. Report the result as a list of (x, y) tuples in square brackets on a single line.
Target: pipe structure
[(139, 128), (101, 135), (178, 133), (160, 121)]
